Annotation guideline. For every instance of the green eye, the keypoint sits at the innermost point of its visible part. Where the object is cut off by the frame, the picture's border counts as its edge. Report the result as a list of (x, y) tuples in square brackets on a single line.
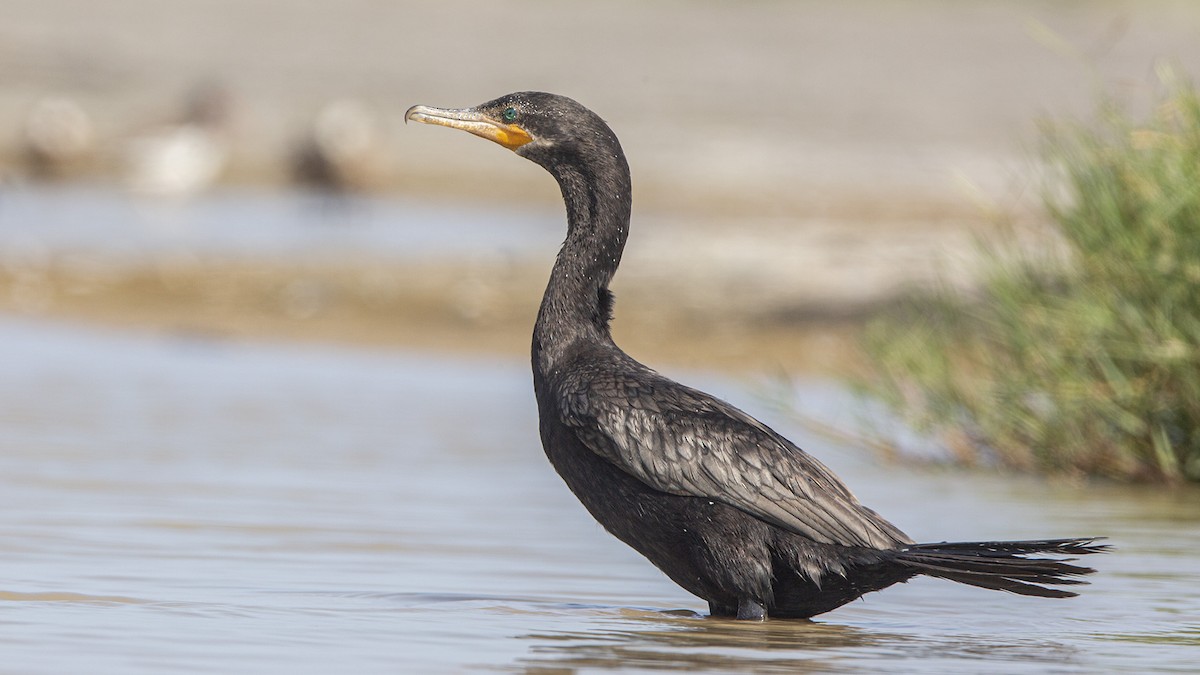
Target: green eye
[(509, 114)]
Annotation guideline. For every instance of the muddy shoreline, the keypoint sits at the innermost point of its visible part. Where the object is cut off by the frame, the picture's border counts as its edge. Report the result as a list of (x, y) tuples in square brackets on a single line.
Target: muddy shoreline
[(446, 307)]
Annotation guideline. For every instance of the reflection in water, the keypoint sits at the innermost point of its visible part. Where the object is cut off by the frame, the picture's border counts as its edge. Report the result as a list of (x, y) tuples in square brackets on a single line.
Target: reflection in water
[(9, 596), (171, 505), (693, 644), (716, 645)]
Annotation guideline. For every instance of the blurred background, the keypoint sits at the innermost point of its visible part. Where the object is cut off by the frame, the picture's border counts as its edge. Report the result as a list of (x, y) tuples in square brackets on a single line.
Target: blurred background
[(262, 346), (796, 163)]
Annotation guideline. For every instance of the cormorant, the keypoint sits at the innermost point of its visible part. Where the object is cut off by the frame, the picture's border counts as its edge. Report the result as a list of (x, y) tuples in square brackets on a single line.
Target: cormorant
[(729, 509)]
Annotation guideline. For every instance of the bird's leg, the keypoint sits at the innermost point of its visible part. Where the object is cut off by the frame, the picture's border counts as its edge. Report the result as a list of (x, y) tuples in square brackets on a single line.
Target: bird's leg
[(719, 610), (749, 610)]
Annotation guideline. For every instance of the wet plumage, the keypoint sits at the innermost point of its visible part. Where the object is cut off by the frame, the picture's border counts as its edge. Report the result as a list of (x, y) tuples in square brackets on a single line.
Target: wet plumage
[(725, 506)]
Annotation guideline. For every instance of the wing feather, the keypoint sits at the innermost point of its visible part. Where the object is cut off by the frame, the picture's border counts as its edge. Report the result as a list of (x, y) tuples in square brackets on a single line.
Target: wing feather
[(685, 442)]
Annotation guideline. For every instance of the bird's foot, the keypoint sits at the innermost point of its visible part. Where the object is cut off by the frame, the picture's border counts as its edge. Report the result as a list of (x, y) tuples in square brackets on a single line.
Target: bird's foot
[(749, 610)]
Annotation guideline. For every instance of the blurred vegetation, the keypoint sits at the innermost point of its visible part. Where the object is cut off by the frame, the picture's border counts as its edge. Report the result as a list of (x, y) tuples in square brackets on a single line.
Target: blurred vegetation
[(1082, 361)]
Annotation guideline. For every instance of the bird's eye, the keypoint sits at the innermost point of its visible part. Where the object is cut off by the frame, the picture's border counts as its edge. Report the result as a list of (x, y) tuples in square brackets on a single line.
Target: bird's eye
[(509, 114)]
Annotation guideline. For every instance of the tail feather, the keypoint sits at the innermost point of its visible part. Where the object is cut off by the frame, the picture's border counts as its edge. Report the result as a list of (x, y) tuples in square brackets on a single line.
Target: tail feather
[(1012, 566)]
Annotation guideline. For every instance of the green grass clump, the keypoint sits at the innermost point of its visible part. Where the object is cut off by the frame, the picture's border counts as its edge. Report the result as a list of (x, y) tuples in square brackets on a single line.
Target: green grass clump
[(1087, 362)]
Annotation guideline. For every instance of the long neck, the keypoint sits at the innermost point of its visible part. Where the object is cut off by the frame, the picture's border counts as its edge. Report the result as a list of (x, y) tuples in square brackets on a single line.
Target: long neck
[(577, 302)]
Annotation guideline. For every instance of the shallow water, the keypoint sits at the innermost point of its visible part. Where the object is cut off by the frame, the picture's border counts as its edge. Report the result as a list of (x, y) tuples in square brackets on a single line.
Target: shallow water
[(171, 505), (43, 219)]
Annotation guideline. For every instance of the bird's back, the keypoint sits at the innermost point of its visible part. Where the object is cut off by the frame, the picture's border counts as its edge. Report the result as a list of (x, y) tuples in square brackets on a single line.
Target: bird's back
[(685, 442)]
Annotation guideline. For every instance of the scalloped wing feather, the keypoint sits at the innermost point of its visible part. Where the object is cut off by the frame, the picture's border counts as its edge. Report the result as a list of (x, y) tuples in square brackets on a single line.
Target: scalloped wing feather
[(685, 442)]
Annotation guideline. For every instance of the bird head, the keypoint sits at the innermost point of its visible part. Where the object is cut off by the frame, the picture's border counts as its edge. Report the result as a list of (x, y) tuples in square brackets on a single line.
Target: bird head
[(545, 128)]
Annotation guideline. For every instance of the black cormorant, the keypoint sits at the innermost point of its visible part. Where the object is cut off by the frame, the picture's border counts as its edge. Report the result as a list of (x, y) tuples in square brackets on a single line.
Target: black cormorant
[(725, 506)]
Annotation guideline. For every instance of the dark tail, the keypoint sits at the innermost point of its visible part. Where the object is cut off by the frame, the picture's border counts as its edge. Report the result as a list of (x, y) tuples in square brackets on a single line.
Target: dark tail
[(1013, 566)]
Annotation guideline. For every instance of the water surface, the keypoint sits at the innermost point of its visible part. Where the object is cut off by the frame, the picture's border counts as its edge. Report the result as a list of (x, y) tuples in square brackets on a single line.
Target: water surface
[(177, 505), (43, 219)]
